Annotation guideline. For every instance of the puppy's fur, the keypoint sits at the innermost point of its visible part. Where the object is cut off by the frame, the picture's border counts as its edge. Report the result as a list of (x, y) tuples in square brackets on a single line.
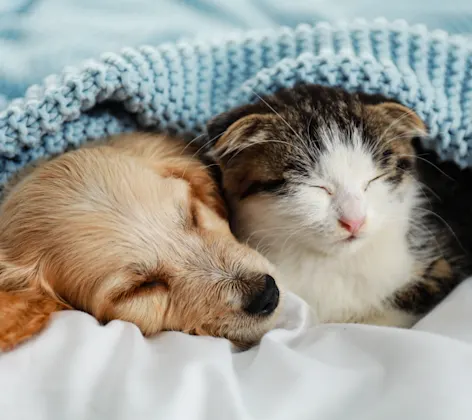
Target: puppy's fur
[(134, 229), (298, 164)]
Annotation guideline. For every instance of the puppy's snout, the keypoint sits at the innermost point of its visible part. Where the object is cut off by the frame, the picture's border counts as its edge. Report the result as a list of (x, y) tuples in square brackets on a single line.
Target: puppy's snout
[(264, 302)]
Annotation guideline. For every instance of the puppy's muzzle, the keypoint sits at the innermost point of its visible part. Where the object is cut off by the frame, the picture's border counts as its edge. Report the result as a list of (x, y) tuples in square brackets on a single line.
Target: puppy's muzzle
[(265, 302)]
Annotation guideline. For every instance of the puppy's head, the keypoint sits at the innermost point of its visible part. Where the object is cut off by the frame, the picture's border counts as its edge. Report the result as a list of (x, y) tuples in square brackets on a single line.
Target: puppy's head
[(136, 239), (316, 165)]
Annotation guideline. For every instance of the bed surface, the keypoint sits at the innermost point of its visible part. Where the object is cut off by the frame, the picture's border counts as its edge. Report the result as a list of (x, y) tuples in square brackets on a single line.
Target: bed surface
[(77, 370)]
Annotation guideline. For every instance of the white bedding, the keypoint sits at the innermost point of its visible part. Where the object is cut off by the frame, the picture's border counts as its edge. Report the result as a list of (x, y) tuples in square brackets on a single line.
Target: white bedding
[(79, 370)]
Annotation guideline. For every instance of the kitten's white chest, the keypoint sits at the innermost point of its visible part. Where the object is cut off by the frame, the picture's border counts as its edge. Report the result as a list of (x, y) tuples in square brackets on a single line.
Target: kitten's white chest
[(347, 287)]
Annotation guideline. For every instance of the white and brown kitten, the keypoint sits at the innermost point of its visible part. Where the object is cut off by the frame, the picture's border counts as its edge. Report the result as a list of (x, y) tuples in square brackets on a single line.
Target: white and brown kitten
[(324, 183)]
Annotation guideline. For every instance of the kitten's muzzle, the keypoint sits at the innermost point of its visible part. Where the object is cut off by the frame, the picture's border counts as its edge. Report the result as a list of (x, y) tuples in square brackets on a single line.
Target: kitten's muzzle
[(264, 302), (352, 225)]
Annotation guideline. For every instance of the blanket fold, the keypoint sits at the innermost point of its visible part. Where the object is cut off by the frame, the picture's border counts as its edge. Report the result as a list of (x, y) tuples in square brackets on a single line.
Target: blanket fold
[(180, 86)]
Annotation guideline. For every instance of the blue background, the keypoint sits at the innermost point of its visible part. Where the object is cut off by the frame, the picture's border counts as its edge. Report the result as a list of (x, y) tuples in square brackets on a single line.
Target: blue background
[(39, 37)]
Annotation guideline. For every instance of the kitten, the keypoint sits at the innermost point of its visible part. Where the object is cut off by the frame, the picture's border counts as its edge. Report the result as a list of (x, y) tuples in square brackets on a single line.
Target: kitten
[(325, 184)]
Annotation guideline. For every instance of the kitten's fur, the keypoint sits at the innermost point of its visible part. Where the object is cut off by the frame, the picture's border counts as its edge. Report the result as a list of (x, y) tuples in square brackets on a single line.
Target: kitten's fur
[(296, 163)]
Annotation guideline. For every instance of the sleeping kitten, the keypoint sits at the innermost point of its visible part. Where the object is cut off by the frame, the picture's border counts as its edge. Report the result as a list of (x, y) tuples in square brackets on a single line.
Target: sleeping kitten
[(324, 183)]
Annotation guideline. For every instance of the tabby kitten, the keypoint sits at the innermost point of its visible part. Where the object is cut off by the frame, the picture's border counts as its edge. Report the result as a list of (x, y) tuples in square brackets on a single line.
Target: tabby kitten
[(325, 184)]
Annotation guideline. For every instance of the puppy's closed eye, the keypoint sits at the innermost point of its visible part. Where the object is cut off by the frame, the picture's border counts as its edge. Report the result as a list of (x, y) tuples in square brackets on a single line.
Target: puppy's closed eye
[(194, 220), (190, 216), (152, 283), (144, 284)]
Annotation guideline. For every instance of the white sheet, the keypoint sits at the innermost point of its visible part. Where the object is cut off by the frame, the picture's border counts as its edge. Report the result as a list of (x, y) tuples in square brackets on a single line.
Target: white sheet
[(79, 370)]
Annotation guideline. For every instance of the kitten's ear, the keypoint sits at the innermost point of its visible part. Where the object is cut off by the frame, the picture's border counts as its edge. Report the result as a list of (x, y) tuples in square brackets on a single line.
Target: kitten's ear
[(400, 117), (227, 130), (230, 132), (217, 126)]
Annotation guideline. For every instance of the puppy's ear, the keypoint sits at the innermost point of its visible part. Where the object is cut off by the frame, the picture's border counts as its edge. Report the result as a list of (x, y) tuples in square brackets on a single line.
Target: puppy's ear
[(25, 307), (24, 314), (202, 186)]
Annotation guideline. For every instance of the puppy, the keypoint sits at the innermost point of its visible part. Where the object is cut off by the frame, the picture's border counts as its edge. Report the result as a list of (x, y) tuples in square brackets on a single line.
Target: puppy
[(133, 229)]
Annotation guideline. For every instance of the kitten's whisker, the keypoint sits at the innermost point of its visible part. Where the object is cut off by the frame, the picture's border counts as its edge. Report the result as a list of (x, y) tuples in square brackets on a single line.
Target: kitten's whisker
[(422, 186), (416, 224), (407, 113), (312, 148), (276, 113), (289, 237), (404, 135), (309, 125), (430, 163), (241, 149), (191, 142), (445, 223), (270, 230), (380, 147), (198, 151), (265, 243)]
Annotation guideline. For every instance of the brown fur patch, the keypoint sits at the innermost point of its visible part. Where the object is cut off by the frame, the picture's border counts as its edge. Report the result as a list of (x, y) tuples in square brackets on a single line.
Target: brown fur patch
[(23, 314), (433, 283), (439, 269)]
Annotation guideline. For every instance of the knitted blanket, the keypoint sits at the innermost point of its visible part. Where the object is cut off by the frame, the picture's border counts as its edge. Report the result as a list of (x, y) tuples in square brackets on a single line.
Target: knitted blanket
[(179, 87)]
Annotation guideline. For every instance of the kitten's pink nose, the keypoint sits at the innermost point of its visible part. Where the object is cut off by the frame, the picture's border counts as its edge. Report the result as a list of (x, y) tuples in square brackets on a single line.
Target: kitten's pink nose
[(351, 225)]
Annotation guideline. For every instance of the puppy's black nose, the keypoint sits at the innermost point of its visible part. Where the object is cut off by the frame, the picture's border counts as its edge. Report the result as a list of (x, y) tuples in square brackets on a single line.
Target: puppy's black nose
[(265, 302)]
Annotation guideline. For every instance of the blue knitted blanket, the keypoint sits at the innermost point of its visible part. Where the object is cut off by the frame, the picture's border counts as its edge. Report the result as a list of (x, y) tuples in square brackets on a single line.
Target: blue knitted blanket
[(179, 87)]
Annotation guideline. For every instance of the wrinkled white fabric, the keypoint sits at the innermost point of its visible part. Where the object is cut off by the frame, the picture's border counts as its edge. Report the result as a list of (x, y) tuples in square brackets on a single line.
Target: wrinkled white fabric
[(77, 369)]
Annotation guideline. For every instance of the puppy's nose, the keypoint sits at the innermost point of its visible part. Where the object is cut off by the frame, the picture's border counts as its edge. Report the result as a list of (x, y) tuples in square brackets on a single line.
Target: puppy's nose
[(265, 302), (352, 225)]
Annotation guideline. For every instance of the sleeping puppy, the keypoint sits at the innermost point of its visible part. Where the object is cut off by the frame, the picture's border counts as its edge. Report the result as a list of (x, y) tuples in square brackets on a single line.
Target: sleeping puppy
[(136, 230)]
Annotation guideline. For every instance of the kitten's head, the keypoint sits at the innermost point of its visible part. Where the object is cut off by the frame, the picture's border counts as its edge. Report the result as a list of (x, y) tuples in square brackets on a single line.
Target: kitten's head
[(317, 165)]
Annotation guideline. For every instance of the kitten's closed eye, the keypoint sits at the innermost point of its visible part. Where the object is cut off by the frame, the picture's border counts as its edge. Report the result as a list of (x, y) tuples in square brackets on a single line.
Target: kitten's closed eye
[(321, 187), (263, 186), (373, 180)]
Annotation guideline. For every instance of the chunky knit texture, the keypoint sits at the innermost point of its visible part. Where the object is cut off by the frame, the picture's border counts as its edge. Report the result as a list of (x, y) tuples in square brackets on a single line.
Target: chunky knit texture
[(179, 87)]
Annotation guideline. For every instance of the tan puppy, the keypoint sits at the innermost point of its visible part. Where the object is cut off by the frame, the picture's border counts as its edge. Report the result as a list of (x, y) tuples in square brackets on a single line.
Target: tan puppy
[(134, 229)]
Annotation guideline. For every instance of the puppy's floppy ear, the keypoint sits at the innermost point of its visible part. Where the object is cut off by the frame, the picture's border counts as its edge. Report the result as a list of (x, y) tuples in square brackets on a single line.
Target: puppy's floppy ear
[(202, 186), (23, 314), (25, 304)]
